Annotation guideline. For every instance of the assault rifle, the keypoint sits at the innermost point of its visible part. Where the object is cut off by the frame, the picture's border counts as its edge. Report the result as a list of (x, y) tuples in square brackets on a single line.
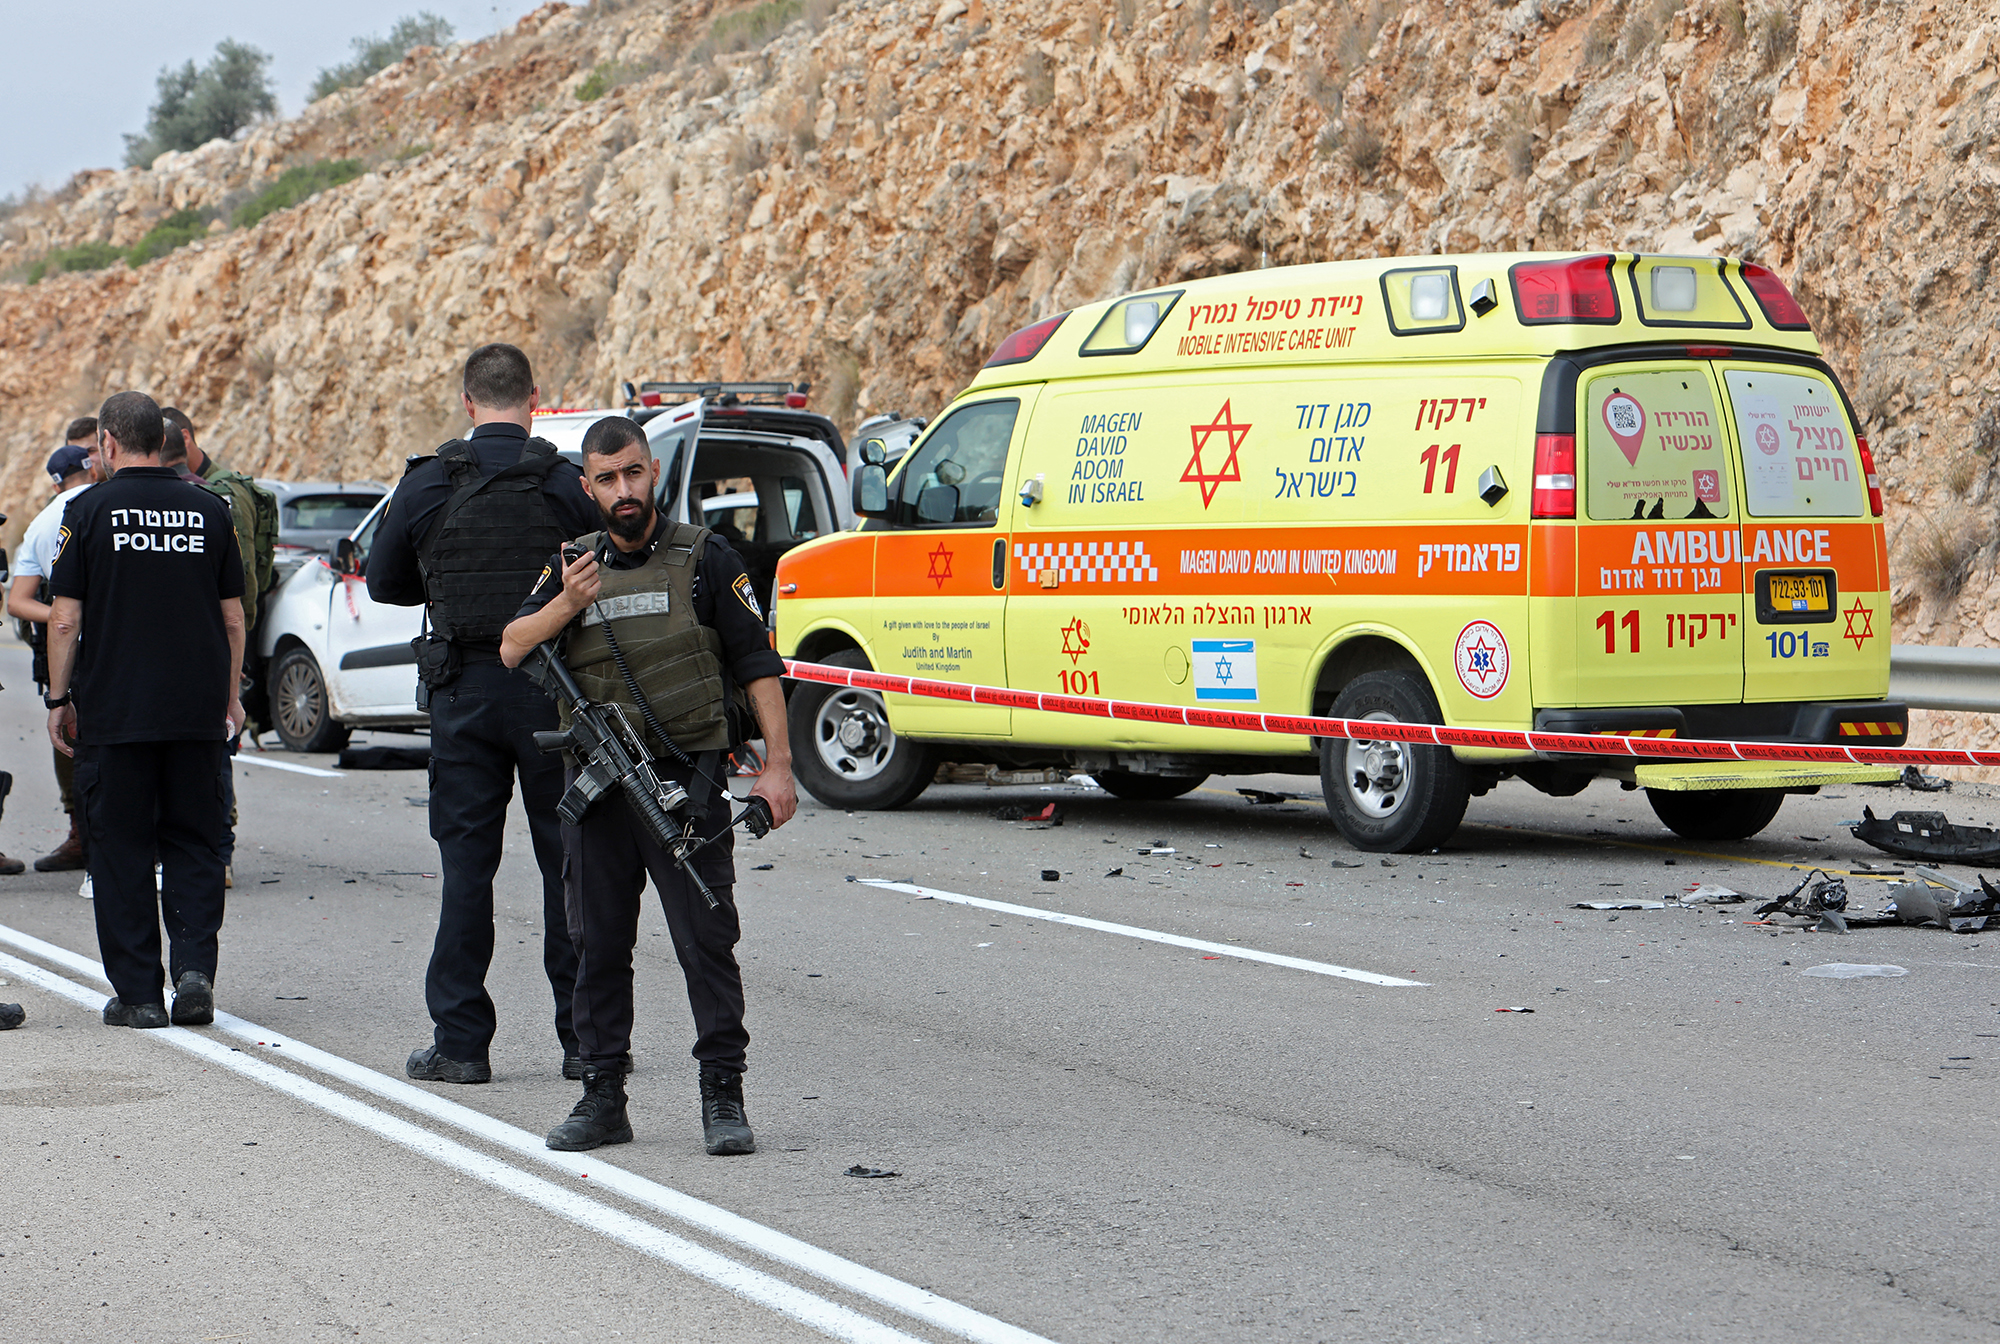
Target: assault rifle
[(610, 754)]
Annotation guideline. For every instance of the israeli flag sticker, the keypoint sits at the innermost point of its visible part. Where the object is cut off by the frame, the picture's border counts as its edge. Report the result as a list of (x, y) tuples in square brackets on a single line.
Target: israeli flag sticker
[(1225, 669)]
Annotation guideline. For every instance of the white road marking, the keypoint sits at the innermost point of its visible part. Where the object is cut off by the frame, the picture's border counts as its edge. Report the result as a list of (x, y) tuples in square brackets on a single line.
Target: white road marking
[(1150, 935), (857, 1278), (245, 758)]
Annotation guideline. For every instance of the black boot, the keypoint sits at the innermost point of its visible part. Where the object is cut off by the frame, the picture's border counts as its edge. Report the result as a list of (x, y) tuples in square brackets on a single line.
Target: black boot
[(724, 1127), (599, 1118)]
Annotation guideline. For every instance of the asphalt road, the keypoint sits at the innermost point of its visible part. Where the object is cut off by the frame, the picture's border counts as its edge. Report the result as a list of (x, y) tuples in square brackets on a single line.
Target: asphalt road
[(1098, 1136)]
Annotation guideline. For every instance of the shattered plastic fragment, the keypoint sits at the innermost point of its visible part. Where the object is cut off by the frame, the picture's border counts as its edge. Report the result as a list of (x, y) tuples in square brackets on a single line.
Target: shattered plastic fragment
[(1710, 893), (1157, 850), (869, 1173), (1336, 863), (1620, 905), (763, 867), (1051, 875), (1847, 970), (1929, 836), (1116, 872), (1917, 780), (1513, 1010)]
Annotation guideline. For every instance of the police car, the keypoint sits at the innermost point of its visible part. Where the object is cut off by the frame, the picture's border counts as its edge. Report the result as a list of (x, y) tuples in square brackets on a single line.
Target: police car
[(337, 660)]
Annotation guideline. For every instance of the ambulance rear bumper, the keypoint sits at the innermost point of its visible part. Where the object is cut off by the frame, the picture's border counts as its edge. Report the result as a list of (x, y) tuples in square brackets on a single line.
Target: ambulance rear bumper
[(1854, 723)]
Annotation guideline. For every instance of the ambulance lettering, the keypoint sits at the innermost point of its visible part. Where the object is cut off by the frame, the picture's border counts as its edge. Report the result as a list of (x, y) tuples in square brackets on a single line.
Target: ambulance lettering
[(1682, 559), (1098, 475), (1462, 558), (1792, 546), (1437, 412)]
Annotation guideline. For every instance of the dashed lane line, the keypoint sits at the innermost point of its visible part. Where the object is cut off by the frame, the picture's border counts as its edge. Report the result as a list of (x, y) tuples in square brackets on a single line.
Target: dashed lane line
[(1149, 935), (829, 1317), (244, 758)]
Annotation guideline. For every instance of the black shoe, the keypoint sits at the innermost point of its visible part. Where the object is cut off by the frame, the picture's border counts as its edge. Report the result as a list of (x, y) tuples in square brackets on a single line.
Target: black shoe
[(724, 1127), (573, 1066), (118, 1013), (194, 1000), (599, 1118), (428, 1066)]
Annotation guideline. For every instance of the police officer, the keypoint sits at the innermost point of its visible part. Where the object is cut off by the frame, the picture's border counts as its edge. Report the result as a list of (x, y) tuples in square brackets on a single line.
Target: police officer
[(467, 532), (681, 610), (73, 468), (147, 570)]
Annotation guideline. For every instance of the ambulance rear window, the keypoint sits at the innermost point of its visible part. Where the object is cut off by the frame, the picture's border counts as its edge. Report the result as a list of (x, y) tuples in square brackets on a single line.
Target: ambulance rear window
[(1798, 458), (1652, 446)]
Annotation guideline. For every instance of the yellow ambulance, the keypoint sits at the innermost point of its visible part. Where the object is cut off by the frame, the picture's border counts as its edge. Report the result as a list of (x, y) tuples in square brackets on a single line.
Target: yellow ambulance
[(1583, 493)]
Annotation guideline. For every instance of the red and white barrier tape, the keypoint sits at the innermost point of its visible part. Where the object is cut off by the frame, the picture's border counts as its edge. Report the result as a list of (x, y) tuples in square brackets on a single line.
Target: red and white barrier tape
[(1506, 739)]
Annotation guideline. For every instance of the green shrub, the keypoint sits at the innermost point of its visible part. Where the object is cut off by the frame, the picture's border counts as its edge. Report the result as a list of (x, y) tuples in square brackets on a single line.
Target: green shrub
[(214, 102), (753, 27), (597, 83), (373, 54), (298, 183), (82, 257), (176, 230)]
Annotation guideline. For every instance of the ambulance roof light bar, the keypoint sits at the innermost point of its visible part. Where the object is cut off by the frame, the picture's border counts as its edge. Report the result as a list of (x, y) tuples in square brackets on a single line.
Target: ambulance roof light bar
[(1574, 290), (1026, 343), (1781, 310), (793, 395)]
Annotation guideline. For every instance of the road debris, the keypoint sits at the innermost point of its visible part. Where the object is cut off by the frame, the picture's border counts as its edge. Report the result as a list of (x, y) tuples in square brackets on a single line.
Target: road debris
[(385, 758), (1513, 1010), (1158, 851), (1266, 798), (1969, 909), (1917, 780), (1048, 816), (1336, 863), (1116, 872), (1848, 970), (1710, 893), (12, 1015), (1619, 905), (763, 867), (1051, 874), (1928, 836), (1826, 902), (869, 1173)]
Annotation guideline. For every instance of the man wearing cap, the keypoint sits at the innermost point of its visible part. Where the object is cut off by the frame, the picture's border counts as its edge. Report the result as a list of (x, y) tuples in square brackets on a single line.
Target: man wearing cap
[(73, 468)]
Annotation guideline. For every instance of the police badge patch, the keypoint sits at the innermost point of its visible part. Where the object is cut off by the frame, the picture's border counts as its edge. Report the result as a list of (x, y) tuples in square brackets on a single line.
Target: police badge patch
[(62, 540), (747, 596)]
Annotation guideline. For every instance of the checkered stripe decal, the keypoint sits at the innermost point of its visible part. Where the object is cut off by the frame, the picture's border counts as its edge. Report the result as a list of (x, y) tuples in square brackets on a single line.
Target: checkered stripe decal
[(1088, 561)]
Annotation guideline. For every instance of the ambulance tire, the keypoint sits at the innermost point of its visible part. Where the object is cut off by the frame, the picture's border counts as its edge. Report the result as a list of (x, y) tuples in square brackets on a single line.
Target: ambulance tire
[(1716, 814), (843, 750), (1146, 788), (1392, 797)]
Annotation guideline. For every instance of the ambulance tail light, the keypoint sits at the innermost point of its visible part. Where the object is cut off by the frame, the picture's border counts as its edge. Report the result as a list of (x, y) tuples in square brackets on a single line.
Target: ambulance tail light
[(1026, 343), (1781, 310), (1575, 290), (1874, 480), (1555, 476)]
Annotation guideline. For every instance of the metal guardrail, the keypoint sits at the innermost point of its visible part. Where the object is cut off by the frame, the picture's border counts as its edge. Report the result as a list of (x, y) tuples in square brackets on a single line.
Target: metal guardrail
[(1923, 677)]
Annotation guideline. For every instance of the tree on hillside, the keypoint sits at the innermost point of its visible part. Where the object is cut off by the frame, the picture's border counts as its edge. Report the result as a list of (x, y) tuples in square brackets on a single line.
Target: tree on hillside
[(214, 102), (372, 53)]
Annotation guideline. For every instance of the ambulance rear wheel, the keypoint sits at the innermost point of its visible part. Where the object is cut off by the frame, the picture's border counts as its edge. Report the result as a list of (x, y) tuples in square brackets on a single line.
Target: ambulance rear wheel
[(1391, 797), (300, 709), (1716, 814), (843, 750), (1146, 788)]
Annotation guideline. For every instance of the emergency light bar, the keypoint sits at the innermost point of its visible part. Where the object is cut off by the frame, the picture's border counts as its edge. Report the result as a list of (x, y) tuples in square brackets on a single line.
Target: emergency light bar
[(1026, 343), (1781, 310), (793, 395), (1578, 290)]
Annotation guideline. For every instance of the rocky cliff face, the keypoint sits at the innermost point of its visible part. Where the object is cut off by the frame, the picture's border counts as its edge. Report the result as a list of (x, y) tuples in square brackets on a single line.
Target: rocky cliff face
[(877, 194)]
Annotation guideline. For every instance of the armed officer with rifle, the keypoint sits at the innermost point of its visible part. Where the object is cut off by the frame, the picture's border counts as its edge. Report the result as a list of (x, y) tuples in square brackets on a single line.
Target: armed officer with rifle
[(642, 632), (465, 534)]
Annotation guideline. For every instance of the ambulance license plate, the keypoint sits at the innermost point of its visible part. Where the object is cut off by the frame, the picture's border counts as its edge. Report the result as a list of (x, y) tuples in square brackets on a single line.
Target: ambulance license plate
[(1796, 598), (1798, 592)]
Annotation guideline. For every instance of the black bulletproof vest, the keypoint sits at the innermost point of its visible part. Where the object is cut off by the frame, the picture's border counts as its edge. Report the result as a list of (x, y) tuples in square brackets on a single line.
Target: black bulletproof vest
[(490, 540)]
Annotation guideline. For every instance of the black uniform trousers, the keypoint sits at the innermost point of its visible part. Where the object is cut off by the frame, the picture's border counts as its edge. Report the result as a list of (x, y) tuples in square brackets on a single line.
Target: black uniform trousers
[(482, 737), (145, 802), (605, 864)]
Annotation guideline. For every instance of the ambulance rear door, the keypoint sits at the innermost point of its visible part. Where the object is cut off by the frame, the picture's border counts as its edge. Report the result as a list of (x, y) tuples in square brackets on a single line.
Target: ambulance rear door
[(940, 575), (1660, 616), (1815, 577)]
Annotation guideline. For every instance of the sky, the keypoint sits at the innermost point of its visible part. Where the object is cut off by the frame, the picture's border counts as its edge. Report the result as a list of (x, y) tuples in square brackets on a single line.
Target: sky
[(83, 73)]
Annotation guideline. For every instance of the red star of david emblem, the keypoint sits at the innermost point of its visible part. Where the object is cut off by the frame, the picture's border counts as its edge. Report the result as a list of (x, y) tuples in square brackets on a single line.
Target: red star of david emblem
[(1076, 639), (1481, 661), (1229, 471), (940, 566), (1867, 630)]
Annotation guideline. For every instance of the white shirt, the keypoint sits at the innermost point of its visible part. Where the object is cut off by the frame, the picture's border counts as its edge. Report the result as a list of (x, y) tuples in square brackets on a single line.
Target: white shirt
[(39, 542)]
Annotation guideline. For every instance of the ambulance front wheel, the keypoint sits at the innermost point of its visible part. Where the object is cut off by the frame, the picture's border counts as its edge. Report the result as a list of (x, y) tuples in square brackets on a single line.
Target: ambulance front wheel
[(1391, 797), (1716, 814), (843, 749)]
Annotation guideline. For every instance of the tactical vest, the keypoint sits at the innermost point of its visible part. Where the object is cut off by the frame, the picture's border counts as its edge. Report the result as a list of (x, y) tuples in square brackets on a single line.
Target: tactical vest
[(490, 540), (676, 660)]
